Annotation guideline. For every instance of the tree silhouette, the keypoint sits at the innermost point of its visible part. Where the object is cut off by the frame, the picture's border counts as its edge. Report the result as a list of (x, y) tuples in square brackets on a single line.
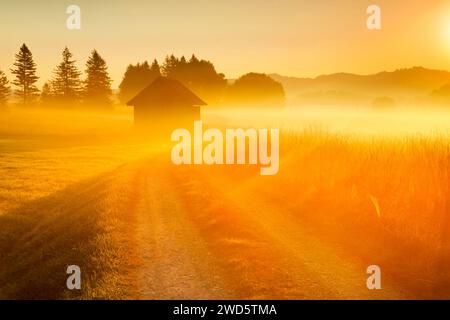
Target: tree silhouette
[(383, 102), (440, 96), (47, 96), (169, 66), (66, 84), (25, 72), (256, 89), (136, 78), (97, 89), (155, 67), (5, 89), (198, 75)]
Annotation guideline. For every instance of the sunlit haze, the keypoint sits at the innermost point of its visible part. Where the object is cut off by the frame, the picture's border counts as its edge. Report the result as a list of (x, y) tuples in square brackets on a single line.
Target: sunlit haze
[(303, 152), (290, 37)]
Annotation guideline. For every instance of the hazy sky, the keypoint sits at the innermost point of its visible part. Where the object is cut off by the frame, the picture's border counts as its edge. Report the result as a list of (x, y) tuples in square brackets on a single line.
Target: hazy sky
[(291, 37)]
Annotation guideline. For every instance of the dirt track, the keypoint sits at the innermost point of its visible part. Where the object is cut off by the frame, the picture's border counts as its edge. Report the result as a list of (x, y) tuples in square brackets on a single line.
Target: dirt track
[(200, 239), (152, 230)]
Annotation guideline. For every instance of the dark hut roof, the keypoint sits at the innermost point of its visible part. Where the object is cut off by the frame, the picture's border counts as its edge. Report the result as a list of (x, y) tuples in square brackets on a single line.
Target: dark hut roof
[(165, 91)]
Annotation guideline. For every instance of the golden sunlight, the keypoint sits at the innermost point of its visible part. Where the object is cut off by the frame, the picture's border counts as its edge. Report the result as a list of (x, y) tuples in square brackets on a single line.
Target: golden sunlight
[(225, 149)]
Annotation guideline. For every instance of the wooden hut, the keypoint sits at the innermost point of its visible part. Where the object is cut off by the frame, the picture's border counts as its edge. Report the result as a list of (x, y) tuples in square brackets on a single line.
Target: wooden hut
[(166, 102)]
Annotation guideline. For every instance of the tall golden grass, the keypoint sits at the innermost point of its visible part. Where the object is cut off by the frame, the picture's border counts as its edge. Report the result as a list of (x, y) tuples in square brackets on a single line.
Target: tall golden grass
[(384, 198)]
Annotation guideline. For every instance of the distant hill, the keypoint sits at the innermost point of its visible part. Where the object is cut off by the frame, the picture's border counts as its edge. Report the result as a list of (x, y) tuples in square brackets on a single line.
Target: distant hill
[(347, 88)]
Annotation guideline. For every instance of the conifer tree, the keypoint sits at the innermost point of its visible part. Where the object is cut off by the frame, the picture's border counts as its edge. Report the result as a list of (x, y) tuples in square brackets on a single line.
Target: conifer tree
[(136, 78), (47, 96), (200, 76), (97, 89), (25, 72), (155, 68), (169, 66), (66, 84), (5, 89)]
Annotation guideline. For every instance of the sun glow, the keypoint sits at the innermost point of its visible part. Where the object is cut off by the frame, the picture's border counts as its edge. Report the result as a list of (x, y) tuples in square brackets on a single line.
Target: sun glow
[(446, 32), (441, 26)]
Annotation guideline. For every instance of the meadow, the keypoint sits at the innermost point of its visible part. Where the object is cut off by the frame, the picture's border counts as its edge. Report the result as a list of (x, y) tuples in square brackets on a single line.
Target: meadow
[(354, 189)]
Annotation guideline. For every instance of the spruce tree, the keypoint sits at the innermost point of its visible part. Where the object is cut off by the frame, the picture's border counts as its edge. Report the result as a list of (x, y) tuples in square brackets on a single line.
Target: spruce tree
[(66, 84), (97, 90), (25, 72), (169, 66), (47, 96), (200, 76), (155, 68), (5, 89), (136, 78)]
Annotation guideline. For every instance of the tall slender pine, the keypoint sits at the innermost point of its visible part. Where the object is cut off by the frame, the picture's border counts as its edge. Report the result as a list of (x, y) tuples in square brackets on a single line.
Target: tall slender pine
[(97, 90), (5, 89), (25, 72), (66, 83)]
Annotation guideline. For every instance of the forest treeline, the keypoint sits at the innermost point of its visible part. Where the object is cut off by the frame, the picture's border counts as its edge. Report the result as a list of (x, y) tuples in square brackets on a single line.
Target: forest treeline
[(67, 88)]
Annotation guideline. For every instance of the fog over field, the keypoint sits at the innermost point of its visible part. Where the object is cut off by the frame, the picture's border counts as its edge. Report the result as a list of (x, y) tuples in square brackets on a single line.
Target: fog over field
[(364, 120), (351, 182), (225, 150)]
